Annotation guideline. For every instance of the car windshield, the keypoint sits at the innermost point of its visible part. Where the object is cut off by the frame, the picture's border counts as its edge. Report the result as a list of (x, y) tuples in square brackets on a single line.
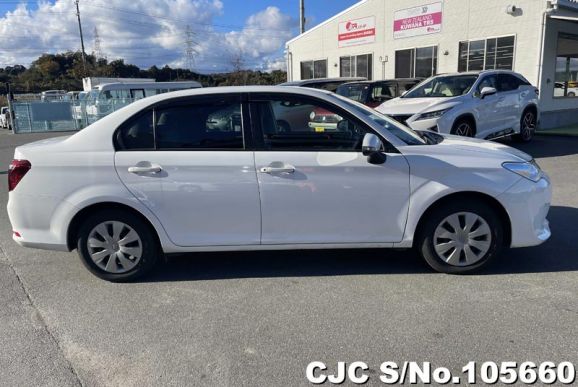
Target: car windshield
[(355, 91), (443, 86), (404, 133)]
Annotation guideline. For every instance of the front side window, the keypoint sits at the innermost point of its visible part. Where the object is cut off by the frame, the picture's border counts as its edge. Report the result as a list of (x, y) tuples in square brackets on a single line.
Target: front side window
[(443, 86), (487, 54), (200, 126), (314, 69), (487, 81), (301, 124), (566, 78)]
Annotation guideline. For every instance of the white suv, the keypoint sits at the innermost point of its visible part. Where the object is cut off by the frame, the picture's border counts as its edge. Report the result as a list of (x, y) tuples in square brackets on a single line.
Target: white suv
[(486, 104), (213, 170)]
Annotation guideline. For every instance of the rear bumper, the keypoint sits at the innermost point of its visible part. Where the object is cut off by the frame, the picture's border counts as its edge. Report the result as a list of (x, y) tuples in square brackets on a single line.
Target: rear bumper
[(527, 204), (37, 222)]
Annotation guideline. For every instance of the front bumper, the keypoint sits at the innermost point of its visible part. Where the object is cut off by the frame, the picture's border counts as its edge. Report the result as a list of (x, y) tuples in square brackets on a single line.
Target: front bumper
[(527, 204)]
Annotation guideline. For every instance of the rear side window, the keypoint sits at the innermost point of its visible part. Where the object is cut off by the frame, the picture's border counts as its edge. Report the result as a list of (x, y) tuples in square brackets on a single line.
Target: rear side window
[(507, 82), (200, 126), (136, 133)]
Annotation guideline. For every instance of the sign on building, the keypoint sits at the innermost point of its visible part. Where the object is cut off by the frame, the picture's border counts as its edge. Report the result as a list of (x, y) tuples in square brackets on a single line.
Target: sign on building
[(357, 31), (422, 20)]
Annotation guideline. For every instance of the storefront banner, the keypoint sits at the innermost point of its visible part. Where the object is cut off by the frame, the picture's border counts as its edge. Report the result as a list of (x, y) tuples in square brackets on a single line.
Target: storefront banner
[(356, 32), (422, 20)]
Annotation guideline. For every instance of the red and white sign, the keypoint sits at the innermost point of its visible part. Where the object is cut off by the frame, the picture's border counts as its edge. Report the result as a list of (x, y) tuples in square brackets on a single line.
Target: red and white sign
[(423, 20), (356, 32)]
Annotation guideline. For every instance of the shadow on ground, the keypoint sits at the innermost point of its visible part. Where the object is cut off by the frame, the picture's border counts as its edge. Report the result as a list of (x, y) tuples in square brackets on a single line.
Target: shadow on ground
[(559, 254), (548, 146)]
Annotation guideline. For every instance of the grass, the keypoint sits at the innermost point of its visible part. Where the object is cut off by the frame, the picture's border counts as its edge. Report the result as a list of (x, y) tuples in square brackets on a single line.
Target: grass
[(571, 130)]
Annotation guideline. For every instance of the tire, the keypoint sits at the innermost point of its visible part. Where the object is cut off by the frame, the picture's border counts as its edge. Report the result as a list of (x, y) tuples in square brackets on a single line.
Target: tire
[(134, 257), (571, 94), (527, 126), (465, 127), (434, 238)]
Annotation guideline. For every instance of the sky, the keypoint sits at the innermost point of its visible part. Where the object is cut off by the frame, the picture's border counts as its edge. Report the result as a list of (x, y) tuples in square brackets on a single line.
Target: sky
[(158, 32)]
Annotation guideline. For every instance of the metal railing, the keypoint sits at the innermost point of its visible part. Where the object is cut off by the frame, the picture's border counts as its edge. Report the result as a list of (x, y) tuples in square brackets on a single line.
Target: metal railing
[(61, 115)]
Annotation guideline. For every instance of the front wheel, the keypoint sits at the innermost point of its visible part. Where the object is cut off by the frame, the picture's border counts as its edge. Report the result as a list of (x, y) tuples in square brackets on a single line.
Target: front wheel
[(464, 127), (460, 238), (117, 246)]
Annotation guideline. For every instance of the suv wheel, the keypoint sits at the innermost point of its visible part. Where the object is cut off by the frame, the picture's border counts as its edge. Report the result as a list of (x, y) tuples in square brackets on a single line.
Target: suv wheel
[(117, 246), (527, 127), (464, 127), (460, 238)]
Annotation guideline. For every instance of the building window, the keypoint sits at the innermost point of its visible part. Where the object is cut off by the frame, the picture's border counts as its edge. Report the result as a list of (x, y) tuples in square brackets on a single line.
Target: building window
[(356, 66), (566, 79), (416, 62), (314, 69), (487, 54)]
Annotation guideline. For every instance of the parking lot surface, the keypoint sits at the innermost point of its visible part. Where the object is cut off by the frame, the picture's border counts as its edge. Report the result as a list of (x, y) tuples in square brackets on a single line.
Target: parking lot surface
[(258, 318)]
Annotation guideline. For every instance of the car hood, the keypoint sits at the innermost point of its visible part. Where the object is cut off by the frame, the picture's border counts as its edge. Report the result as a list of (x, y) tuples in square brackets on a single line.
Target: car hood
[(476, 146), (416, 105)]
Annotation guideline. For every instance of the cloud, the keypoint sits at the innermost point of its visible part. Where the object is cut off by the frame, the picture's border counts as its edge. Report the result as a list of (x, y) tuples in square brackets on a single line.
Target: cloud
[(147, 32)]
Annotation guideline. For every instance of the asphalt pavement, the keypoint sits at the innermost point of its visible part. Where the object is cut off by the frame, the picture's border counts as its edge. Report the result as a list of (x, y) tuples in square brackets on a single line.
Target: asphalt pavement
[(258, 318)]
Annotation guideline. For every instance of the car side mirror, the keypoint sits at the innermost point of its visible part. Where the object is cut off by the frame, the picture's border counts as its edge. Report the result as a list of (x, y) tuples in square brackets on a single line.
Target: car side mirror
[(372, 148), (486, 91)]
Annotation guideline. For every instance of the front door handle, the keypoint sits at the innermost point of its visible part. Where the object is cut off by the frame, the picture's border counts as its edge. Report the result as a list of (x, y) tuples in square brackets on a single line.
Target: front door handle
[(152, 168), (278, 168)]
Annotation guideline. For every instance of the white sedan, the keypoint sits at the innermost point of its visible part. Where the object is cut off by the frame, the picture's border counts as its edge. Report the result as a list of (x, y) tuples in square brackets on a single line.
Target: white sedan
[(157, 177)]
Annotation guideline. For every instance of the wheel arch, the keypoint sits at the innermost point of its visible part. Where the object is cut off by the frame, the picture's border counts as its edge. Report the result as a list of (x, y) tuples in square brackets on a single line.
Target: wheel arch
[(74, 225), (531, 107), (468, 195)]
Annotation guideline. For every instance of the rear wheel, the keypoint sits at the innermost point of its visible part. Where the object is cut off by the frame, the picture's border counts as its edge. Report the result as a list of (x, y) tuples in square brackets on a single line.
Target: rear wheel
[(460, 238), (117, 246), (527, 126), (464, 127)]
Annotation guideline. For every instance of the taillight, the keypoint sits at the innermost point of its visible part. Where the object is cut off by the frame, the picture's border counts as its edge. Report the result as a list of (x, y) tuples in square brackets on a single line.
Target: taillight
[(17, 170)]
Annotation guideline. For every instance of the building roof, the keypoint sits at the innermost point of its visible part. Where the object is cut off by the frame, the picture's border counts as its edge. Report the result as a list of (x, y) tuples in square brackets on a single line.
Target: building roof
[(327, 21)]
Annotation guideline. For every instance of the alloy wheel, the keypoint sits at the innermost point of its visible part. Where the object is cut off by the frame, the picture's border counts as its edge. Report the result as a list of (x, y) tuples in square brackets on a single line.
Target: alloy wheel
[(465, 129), (528, 126), (114, 247), (462, 239)]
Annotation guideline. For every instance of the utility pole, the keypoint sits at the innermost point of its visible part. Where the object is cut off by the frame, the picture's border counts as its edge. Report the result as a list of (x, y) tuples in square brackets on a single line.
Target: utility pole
[(81, 37), (302, 16)]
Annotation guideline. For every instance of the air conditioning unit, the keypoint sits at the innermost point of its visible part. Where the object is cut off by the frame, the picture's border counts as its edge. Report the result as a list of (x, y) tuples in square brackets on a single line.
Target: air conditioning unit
[(511, 10)]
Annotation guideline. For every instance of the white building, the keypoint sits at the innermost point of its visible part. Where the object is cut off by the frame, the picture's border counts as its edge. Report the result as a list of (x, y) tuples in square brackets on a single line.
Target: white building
[(382, 39)]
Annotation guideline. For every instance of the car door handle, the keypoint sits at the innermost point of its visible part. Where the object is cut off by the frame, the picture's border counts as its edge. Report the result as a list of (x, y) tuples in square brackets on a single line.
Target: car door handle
[(145, 169), (275, 169)]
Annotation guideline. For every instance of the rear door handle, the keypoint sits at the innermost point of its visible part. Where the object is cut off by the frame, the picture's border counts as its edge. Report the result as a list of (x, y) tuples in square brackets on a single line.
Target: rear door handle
[(145, 169), (278, 169)]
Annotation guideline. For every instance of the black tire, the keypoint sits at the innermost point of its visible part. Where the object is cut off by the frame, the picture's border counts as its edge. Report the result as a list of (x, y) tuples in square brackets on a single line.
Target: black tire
[(465, 127), (426, 234), (571, 94), (527, 126), (150, 246)]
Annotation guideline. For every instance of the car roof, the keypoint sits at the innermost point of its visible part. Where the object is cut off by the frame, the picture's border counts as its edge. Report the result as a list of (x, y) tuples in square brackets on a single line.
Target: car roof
[(304, 82), (477, 73), (384, 80)]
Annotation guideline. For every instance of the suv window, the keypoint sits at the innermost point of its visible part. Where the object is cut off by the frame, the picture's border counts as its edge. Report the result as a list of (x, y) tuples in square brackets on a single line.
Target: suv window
[(136, 133), (208, 125), (295, 124), (508, 82)]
